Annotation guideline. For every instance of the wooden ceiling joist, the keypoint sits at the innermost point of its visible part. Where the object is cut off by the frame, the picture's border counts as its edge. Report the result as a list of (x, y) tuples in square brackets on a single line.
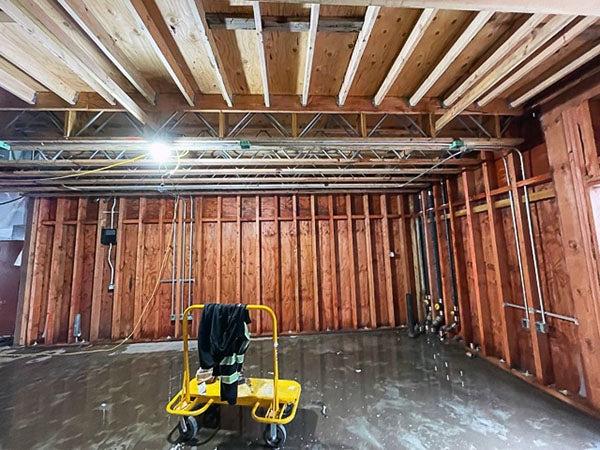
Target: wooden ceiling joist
[(557, 76), (407, 50), (5, 18), (88, 22), (208, 41), (284, 23), (32, 16), (310, 51), (150, 22), (357, 52), (36, 70), (16, 82), (561, 42), (459, 45), (518, 56), (254, 103), (582, 7), (262, 58), (37, 28), (513, 39)]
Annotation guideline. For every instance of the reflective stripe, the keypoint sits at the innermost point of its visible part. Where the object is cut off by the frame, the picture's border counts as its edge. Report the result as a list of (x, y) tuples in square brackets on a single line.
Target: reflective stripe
[(231, 360), (230, 379)]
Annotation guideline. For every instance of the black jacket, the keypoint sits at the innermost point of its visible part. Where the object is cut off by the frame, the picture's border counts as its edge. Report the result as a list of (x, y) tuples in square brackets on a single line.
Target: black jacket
[(223, 338)]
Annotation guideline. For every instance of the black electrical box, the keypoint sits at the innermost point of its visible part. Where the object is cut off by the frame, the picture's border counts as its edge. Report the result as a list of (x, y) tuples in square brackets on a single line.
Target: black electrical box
[(108, 236)]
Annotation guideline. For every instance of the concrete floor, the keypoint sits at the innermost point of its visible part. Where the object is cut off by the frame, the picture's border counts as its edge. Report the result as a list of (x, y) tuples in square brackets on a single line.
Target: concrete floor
[(372, 390)]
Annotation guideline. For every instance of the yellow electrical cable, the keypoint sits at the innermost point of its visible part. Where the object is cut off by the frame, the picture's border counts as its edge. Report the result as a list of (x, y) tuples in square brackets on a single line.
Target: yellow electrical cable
[(99, 169), (150, 299), (162, 266)]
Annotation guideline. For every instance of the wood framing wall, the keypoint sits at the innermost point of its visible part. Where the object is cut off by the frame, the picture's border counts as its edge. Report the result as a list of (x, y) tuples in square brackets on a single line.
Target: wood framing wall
[(562, 175), (323, 262)]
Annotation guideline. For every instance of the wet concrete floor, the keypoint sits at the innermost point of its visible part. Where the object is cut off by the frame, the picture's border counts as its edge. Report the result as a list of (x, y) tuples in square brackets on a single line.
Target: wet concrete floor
[(367, 390)]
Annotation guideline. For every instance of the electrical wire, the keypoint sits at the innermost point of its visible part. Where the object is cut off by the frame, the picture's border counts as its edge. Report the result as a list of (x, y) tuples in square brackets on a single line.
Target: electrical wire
[(462, 151), (91, 171), (12, 200), (149, 300)]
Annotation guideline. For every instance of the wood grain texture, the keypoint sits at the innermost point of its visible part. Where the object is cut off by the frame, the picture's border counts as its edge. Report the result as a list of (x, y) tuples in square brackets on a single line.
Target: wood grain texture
[(320, 261)]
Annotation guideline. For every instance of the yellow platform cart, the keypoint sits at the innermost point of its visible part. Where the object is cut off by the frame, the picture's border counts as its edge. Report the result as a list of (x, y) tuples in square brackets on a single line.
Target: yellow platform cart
[(272, 401)]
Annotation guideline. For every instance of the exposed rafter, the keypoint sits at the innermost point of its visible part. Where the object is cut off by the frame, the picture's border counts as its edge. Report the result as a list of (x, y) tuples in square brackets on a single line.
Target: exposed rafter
[(558, 75), (284, 23), (459, 45), (583, 7), (262, 58), (310, 51), (197, 9), (357, 52), (407, 50), (150, 22), (513, 39), (38, 71), (559, 43), (525, 50), (34, 18), (16, 82), (82, 15), (41, 27), (254, 103)]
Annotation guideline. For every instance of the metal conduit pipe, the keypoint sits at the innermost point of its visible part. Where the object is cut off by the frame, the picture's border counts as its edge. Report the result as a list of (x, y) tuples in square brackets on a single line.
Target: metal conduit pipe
[(181, 257), (450, 253), (173, 246), (190, 281), (111, 284), (525, 320), (438, 305), (419, 260), (422, 250), (549, 314), (536, 269)]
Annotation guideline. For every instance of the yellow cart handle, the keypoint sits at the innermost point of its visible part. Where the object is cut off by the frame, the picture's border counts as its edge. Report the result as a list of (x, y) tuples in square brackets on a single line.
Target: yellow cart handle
[(275, 420), (188, 412), (186, 358)]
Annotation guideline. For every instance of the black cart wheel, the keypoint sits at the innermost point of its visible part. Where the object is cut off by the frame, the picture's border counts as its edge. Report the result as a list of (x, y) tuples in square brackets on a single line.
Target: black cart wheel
[(277, 438), (188, 428)]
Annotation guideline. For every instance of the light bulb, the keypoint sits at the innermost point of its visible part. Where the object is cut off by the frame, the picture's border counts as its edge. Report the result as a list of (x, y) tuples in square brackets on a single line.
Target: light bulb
[(160, 151)]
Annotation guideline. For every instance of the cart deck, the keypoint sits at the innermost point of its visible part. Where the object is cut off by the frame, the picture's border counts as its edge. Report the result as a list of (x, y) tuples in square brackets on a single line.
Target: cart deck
[(274, 402)]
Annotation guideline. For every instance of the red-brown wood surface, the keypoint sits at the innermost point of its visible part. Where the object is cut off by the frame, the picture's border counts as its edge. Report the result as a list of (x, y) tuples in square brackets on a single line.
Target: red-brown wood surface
[(322, 262)]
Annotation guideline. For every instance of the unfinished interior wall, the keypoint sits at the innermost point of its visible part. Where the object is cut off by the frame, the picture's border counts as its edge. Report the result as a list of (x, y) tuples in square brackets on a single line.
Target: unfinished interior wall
[(322, 262), (555, 341)]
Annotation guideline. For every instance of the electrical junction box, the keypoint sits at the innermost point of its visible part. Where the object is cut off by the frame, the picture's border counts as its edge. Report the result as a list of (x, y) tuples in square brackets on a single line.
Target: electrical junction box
[(108, 236)]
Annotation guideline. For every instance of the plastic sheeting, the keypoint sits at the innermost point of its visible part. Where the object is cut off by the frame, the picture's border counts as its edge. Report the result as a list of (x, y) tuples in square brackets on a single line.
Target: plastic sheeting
[(12, 216)]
